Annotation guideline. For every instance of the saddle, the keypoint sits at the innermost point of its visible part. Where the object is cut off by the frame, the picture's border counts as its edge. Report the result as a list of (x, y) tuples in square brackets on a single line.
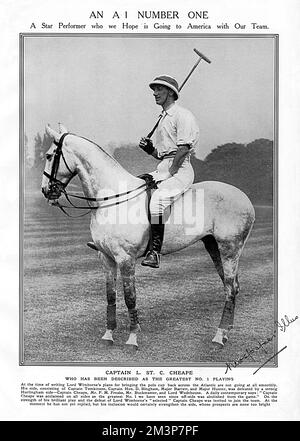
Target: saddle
[(151, 184), (150, 187)]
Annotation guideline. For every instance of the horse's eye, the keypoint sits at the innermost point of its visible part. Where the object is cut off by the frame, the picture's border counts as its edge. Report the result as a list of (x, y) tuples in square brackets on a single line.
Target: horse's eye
[(48, 156)]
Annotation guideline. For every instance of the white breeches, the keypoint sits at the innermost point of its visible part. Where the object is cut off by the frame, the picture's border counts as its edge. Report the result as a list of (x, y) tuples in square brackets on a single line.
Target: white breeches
[(172, 187)]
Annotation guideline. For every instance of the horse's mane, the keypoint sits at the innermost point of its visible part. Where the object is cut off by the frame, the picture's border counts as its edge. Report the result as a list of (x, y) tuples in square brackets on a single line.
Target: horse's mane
[(99, 147)]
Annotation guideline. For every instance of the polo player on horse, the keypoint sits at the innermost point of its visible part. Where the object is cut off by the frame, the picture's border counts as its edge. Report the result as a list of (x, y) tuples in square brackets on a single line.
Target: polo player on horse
[(176, 136)]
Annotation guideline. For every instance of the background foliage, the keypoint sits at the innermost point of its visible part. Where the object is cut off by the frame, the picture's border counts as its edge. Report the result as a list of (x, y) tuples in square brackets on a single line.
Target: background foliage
[(248, 167)]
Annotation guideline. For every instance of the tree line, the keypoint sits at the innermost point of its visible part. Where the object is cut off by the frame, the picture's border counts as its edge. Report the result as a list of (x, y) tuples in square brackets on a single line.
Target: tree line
[(247, 166), (34, 158)]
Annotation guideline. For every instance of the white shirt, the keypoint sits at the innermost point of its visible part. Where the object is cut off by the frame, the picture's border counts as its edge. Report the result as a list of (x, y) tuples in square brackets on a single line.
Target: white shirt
[(177, 126)]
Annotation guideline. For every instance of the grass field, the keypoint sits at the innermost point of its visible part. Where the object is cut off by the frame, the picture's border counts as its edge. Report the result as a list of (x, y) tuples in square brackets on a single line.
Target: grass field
[(180, 305)]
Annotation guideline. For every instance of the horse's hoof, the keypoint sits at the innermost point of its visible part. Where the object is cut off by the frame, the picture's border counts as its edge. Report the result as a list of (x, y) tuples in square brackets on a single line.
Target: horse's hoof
[(131, 348), (220, 338), (107, 343), (218, 344)]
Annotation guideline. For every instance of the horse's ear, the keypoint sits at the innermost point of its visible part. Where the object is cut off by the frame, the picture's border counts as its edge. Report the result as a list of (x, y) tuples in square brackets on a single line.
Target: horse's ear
[(62, 129), (52, 133)]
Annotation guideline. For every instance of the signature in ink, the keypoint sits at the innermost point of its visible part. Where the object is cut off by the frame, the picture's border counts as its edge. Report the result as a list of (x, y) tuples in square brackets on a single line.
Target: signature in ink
[(282, 325), (248, 353), (285, 322)]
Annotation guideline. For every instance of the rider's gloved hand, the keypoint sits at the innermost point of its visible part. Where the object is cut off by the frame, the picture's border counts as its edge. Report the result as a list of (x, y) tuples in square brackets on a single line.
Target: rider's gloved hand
[(146, 145)]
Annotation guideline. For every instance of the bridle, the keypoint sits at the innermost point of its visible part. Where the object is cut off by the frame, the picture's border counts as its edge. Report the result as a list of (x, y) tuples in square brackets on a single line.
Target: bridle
[(56, 185)]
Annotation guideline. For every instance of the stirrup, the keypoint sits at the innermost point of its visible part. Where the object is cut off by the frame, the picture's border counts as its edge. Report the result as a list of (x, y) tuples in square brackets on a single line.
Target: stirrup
[(150, 260), (92, 245)]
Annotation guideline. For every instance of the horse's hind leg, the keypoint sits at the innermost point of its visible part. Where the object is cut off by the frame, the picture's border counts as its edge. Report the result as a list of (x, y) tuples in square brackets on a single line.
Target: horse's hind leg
[(230, 254), (110, 268), (213, 250)]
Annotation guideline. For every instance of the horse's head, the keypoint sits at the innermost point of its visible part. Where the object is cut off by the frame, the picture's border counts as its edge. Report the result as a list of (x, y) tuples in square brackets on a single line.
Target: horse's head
[(60, 165)]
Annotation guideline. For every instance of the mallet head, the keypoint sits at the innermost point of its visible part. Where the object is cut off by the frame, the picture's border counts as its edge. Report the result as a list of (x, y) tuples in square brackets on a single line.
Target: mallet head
[(202, 56)]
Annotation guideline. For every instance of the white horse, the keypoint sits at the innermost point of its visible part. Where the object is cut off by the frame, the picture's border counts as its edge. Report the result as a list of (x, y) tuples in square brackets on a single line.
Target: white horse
[(218, 214)]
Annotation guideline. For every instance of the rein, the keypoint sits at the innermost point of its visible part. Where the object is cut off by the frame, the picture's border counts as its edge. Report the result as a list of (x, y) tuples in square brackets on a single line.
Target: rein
[(54, 183)]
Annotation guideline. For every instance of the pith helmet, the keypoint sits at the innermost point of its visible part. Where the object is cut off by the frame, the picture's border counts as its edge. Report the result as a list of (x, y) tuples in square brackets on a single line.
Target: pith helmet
[(166, 80)]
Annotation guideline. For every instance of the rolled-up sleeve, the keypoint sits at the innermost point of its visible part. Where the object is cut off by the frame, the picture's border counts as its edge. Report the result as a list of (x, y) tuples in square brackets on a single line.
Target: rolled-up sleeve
[(187, 128), (177, 127)]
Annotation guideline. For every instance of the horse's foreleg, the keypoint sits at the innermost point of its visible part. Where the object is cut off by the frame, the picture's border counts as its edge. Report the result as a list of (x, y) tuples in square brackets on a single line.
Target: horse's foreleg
[(110, 268), (127, 270), (231, 289)]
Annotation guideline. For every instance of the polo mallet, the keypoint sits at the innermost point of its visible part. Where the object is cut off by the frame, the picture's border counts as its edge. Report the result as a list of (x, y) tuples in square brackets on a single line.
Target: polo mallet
[(201, 57)]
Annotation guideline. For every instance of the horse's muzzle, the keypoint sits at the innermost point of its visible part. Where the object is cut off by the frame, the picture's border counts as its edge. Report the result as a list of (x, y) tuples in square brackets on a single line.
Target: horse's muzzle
[(53, 193)]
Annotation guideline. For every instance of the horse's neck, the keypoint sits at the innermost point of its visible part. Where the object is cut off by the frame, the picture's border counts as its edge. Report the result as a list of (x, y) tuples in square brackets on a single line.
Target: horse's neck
[(99, 172)]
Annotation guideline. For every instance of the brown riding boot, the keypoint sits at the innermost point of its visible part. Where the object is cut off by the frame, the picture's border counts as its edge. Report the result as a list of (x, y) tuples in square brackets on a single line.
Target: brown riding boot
[(152, 258)]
